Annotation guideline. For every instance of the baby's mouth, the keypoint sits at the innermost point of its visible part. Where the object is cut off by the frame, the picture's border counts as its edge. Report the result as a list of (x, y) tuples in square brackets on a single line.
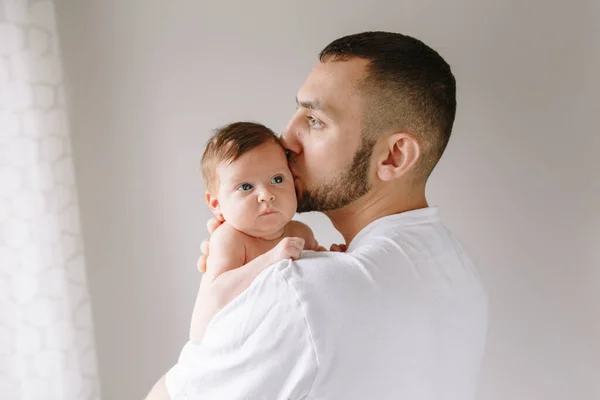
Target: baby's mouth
[(268, 211)]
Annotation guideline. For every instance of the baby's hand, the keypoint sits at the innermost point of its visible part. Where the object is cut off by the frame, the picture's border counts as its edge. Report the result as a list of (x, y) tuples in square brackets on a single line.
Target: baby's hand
[(289, 247)]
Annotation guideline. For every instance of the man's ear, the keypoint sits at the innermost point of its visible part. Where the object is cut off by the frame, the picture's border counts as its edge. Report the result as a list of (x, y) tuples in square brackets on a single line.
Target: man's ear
[(400, 153), (213, 203)]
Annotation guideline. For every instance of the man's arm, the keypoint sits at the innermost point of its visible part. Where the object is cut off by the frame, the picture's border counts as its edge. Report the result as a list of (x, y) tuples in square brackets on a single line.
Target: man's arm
[(159, 391), (259, 347)]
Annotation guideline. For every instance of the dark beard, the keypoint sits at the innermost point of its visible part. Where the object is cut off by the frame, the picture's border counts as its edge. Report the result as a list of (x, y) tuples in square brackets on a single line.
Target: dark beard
[(341, 191)]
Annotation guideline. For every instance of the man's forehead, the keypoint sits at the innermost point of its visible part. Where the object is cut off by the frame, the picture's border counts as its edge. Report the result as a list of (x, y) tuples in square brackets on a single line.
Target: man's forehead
[(330, 81)]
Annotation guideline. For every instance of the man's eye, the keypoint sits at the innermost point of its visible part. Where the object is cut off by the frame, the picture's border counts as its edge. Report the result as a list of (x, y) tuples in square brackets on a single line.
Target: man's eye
[(277, 179), (314, 123), (244, 187)]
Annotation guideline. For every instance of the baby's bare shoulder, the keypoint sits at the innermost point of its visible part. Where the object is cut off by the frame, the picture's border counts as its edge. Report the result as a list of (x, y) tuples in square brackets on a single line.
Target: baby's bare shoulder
[(226, 235), (299, 229)]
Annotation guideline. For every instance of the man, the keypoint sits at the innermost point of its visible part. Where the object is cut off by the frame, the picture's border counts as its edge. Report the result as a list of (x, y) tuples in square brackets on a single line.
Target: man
[(401, 314)]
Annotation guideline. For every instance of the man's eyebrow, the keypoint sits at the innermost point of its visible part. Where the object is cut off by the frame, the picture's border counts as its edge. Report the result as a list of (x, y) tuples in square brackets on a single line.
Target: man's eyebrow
[(315, 105)]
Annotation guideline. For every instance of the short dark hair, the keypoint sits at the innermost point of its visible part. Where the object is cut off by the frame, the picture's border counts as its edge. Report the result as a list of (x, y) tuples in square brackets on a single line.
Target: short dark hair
[(230, 142), (409, 87)]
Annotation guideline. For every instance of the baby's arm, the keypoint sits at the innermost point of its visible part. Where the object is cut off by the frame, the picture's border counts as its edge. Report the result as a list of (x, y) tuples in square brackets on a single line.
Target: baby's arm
[(224, 279), (227, 251)]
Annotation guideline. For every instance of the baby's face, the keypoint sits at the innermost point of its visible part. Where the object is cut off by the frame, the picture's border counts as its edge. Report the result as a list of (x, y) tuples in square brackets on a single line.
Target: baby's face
[(256, 192)]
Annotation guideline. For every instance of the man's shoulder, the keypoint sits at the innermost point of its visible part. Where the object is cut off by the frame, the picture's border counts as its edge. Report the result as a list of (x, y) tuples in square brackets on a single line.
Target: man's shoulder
[(316, 270), (312, 261), (286, 277), (295, 226), (271, 295)]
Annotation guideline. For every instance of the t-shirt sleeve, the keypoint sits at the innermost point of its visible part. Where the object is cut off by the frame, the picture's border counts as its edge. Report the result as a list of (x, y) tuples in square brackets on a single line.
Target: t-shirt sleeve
[(258, 347)]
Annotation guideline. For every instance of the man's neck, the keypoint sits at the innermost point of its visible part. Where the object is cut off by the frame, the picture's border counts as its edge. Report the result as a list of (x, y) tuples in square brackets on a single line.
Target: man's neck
[(374, 205)]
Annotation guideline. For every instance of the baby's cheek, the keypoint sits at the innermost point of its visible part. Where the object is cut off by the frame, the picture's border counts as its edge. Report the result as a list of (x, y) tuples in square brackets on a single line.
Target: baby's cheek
[(232, 212), (290, 208), (225, 210), (243, 217), (292, 201)]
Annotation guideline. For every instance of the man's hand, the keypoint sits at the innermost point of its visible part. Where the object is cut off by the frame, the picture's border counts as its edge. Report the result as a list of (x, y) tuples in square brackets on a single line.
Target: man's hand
[(212, 226), (340, 248)]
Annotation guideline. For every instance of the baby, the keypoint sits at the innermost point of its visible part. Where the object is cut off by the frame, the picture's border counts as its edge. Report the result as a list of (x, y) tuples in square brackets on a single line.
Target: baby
[(249, 185)]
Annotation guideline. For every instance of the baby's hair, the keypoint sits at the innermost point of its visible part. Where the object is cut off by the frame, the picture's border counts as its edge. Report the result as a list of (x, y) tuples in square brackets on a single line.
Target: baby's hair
[(230, 142)]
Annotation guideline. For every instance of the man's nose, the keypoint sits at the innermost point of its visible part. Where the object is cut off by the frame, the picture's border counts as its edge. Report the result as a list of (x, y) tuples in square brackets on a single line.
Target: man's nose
[(289, 139), (266, 196)]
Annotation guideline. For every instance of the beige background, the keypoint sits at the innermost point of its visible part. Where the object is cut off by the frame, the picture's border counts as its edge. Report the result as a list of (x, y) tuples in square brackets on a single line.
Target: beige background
[(519, 183)]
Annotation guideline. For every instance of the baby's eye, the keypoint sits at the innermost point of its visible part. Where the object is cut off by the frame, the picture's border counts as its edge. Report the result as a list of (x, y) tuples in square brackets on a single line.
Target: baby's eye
[(277, 179), (244, 187), (313, 122)]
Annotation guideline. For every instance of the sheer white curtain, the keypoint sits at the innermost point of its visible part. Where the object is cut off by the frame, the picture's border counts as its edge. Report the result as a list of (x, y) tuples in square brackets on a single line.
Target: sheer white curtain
[(46, 339)]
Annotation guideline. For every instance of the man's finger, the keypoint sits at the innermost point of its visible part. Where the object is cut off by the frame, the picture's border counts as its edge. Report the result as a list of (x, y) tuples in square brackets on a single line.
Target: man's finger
[(202, 264), (339, 247), (204, 247)]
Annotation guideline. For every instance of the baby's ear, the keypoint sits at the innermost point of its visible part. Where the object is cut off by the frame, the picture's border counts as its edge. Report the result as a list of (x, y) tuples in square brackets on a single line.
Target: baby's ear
[(213, 203)]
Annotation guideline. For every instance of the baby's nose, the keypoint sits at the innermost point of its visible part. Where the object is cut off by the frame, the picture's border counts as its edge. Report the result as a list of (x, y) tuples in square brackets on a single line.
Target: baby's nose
[(266, 196)]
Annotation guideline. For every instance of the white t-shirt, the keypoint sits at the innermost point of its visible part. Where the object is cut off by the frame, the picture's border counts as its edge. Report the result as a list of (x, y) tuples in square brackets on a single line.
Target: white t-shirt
[(401, 315)]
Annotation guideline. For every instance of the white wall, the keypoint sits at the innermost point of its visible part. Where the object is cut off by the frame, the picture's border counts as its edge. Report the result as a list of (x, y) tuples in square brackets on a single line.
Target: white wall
[(519, 183)]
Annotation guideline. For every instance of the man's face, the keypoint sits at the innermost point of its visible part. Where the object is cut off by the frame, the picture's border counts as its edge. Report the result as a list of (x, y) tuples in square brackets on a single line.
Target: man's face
[(328, 156)]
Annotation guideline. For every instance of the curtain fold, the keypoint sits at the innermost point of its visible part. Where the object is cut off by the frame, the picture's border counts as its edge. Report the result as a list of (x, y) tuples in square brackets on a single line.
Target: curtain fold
[(46, 333)]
